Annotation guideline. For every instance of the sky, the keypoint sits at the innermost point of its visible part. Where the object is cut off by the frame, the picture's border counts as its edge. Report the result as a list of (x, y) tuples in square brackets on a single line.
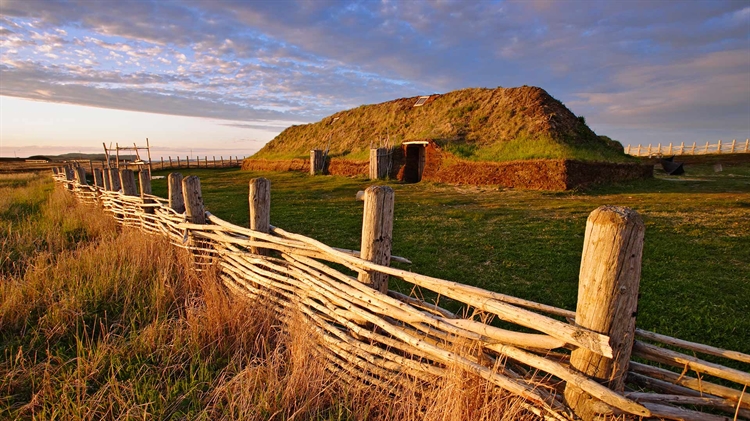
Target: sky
[(210, 77)]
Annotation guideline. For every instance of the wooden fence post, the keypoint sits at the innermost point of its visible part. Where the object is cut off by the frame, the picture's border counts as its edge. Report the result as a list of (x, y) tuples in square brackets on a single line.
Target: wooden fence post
[(377, 234), (144, 179), (747, 145), (107, 183), (191, 191), (682, 148), (127, 178), (670, 149), (81, 176), (162, 162), (607, 299), (259, 200), (98, 178), (316, 161), (69, 176), (176, 200), (187, 161), (222, 161), (692, 150), (639, 149), (115, 179), (706, 151), (734, 142), (718, 147), (205, 161)]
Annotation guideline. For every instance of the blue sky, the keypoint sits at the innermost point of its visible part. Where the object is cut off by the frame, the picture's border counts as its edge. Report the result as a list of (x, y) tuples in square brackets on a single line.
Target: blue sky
[(225, 77)]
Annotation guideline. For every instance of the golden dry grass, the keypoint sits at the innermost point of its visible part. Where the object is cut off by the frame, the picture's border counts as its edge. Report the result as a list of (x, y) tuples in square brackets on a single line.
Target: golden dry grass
[(98, 322)]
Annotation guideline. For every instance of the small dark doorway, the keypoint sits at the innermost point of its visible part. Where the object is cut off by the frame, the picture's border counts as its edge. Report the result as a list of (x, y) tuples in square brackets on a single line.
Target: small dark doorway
[(414, 162)]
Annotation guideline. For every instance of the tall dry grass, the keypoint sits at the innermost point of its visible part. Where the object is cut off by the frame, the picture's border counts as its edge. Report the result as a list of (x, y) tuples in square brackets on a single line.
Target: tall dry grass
[(98, 322)]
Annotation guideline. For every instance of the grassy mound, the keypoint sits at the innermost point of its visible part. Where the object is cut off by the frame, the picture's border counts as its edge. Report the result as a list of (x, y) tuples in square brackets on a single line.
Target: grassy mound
[(480, 124)]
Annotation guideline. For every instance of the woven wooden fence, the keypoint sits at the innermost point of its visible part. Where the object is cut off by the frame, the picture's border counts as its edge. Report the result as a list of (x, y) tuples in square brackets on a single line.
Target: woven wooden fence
[(564, 364)]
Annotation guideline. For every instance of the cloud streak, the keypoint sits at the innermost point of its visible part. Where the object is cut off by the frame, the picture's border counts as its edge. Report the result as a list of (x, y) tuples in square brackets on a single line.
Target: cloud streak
[(625, 65)]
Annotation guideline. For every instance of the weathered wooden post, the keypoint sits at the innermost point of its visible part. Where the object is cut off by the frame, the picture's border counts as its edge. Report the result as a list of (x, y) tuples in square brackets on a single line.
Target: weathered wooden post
[(127, 178), (607, 299), (734, 142), (682, 148), (115, 179), (162, 162), (191, 192), (107, 182), (316, 161), (187, 161), (377, 234), (144, 180), (98, 179), (205, 161), (81, 176), (692, 150), (69, 177), (179, 164), (176, 200), (718, 147), (706, 151), (639, 149), (222, 161), (259, 200), (747, 145)]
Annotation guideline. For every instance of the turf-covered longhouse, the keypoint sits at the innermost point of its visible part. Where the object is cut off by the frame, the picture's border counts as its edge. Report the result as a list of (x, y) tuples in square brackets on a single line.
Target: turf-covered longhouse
[(513, 137)]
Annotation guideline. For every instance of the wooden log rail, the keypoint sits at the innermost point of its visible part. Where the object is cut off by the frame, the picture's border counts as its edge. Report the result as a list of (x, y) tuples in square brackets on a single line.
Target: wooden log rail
[(368, 333)]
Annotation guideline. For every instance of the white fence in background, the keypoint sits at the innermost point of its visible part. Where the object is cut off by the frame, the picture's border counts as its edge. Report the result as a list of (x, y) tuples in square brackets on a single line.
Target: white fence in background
[(695, 149)]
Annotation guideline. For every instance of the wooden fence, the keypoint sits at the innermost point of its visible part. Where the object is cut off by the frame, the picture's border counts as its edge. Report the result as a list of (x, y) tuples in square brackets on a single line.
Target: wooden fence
[(574, 365), (695, 149)]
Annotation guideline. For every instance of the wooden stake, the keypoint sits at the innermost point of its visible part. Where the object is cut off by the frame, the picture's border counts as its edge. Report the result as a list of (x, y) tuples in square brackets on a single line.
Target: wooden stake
[(191, 191), (148, 151), (259, 200), (718, 147), (176, 200), (692, 150), (91, 167), (734, 142), (377, 231), (162, 162), (214, 161), (107, 183), (205, 161), (222, 161), (80, 174), (115, 179), (187, 161), (127, 178), (144, 178), (607, 299), (98, 179)]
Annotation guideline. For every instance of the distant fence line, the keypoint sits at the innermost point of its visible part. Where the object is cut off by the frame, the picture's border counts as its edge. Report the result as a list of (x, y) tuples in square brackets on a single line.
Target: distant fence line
[(567, 369), (163, 164), (694, 149)]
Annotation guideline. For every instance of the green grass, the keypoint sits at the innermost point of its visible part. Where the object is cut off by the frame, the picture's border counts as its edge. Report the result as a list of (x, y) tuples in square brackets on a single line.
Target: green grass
[(103, 322), (695, 279)]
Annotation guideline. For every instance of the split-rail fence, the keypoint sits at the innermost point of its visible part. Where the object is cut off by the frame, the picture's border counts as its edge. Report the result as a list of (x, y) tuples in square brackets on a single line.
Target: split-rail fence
[(575, 365)]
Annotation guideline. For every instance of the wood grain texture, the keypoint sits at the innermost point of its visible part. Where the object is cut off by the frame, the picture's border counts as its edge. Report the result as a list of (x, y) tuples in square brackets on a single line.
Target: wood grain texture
[(98, 177), (115, 179), (259, 200), (191, 191), (176, 199), (127, 178), (607, 298), (316, 161), (144, 181), (377, 234)]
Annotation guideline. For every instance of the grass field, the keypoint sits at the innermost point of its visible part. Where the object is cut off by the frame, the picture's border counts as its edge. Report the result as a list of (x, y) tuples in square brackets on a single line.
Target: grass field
[(695, 279), (98, 322)]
